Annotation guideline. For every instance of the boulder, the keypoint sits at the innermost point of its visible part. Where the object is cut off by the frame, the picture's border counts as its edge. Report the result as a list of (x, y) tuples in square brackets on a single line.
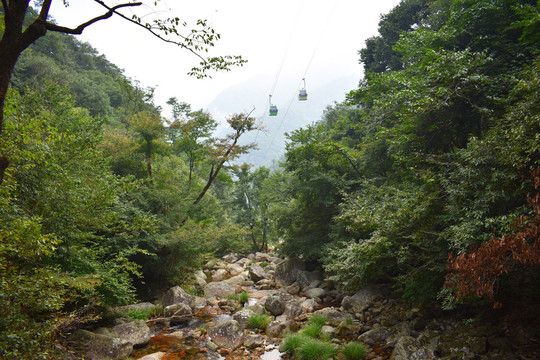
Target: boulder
[(100, 347), (200, 278), (293, 309), (238, 280), (219, 275), (375, 336), (360, 301), (408, 348), (243, 316), (308, 305), (177, 295), (329, 331), (234, 269), (253, 341), (219, 289), (333, 316), (315, 293), (257, 273), (133, 307), (278, 327), (293, 270), (228, 334), (178, 312), (230, 258), (259, 256), (275, 304)]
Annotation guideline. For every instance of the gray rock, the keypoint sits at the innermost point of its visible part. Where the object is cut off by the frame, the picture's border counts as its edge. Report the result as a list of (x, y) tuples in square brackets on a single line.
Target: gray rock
[(329, 331), (253, 341), (177, 295), (200, 278), (275, 304), (259, 256), (219, 290), (228, 334), (133, 307), (178, 312), (315, 293), (333, 316), (242, 316), (293, 309), (234, 269), (362, 300), (100, 347), (308, 305), (238, 280), (230, 258), (257, 273), (219, 275), (408, 348), (278, 327), (374, 336)]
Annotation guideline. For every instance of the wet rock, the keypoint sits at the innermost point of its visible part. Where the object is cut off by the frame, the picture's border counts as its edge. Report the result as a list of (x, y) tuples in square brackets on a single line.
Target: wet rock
[(100, 347), (228, 334), (253, 341), (179, 311), (408, 348), (275, 304), (257, 273), (154, 356), (219, 290), (177, 295), (360, 301)]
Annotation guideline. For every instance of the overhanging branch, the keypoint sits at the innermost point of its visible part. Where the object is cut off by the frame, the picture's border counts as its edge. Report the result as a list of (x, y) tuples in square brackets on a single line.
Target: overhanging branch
[(79, 29)]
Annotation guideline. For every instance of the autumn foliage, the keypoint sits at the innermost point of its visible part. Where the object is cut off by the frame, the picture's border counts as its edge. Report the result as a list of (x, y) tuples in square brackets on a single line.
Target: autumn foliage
[(477, 272)]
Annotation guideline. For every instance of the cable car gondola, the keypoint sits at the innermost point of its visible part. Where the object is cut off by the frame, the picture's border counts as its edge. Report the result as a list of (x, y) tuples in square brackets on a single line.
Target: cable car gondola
[(273, 108), (302, 95)]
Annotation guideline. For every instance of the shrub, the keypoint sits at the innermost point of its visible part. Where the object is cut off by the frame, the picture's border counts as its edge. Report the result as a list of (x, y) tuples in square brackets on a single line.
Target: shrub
[(243, 297), (318, 320), (142, 314), (312, 330), (259, 321), (292, 342), (312, 349), (354, 351)]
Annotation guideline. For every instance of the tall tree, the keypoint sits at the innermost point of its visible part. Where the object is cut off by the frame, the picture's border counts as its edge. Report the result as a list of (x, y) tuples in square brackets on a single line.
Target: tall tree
[(17, 37)]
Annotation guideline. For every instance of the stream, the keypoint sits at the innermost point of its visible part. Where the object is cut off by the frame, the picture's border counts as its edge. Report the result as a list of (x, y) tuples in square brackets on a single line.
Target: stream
[(189, 340)]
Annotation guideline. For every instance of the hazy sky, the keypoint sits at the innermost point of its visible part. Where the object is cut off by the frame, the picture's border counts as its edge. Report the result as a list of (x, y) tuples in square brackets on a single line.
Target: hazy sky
[(318, 38)]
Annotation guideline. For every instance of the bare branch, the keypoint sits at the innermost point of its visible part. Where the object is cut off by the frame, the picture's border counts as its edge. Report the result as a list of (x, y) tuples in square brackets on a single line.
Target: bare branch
[(79, 29), (45, 7), (149, 29)]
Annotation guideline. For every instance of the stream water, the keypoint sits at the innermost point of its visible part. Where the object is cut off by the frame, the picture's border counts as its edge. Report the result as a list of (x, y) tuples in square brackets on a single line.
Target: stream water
[(189, 340)]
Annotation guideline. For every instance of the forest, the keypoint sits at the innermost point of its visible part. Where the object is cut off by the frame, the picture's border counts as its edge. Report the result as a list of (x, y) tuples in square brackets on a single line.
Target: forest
[(425, 178)]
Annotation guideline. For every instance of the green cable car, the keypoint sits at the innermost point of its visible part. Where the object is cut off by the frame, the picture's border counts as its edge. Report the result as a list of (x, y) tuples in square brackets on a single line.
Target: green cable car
[(273, 108)]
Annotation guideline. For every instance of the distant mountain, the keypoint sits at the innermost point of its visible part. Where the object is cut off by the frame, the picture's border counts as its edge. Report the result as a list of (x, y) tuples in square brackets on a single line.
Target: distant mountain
[(293, 114)]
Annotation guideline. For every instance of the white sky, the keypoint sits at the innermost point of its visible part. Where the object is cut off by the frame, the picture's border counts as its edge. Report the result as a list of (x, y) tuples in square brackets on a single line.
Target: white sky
[(320, 36)]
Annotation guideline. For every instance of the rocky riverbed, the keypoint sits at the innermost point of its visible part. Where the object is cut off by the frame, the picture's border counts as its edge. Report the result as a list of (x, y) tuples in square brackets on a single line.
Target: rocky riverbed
[(216, 325)]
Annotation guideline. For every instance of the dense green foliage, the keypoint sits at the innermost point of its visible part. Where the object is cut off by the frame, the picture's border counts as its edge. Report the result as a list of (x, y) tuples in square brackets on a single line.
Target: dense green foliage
[(98, 203), (431, 155)]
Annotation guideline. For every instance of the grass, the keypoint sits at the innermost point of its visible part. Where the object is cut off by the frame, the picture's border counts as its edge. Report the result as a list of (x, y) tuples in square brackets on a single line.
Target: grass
[(313, 349), (264, 264), (259, 321), (292, 342), (141, 314), (354, 351), (317, 319), (243, 297), (312, 330)]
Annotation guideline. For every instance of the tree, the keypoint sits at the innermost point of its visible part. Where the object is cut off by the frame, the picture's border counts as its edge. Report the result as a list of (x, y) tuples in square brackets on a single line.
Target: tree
[(228, 149), (17, 37)]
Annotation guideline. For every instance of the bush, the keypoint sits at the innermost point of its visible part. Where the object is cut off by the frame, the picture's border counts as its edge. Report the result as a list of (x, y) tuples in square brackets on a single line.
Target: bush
[(312, 349), (354, 351), (259, 321)]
